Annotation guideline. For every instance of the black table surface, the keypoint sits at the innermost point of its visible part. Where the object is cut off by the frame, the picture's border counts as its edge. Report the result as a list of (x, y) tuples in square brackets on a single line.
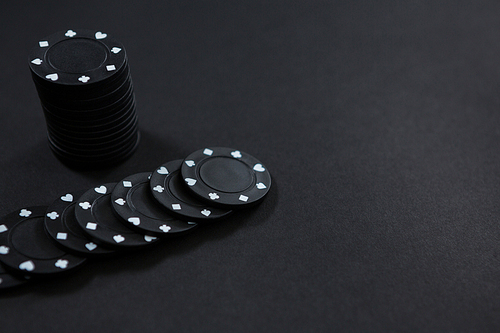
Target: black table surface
[(379, 122)]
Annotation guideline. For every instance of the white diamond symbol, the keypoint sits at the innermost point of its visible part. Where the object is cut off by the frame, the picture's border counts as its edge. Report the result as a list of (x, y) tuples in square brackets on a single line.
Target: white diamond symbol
[(62, 235), (243, 198), (126, 183), (110, 68), (176, 206), (208, 152), (91, 226), (43, 43), (3, 228)]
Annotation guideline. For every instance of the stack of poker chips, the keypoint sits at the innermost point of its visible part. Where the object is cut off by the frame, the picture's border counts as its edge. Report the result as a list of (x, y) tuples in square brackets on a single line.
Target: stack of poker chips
[(138, 211), (85, 89)]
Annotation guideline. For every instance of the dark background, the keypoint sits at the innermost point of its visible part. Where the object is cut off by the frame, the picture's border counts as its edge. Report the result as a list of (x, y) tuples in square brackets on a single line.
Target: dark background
[(379, 121)]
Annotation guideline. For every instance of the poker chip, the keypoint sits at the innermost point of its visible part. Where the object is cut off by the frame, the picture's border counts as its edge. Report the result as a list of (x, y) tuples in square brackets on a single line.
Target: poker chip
[(62, 226), (9, 279), (26, 248), (86, 92), (96, 217), (134, 202), (169, 189), (226, 177)]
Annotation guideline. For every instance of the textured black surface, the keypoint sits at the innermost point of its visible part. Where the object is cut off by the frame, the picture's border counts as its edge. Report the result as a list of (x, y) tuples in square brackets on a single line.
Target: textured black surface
[(377, 119)]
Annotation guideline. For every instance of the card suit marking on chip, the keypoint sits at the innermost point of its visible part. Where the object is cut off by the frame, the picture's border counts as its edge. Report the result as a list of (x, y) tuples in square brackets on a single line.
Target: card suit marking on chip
[(27, 266), (52, 76), (165, 228), (189, 163), (213, 196), (4, 249), (110, 68), (24, 213), (62, 263), (208, 152), (259, 167), (126, 183), (43, 43), (158, 188), (243, 198), (101, 189), (85, 205), (206, 212), (52, 215), (134, 220), (190, 181), (91, 246), (148, 238), (100, 35), (70, 33), (91, 226), (120, 201), (68, 197), (236, 154), (176, 207), (191, 222), (3, 228), (84, 79), (118, 238), (62, 236), (162, 171), (261, 186), (115, 50), (37, 61)]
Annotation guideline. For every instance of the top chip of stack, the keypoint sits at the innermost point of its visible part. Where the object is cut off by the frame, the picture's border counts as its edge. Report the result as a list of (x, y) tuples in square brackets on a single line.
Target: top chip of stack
[(85, 88)]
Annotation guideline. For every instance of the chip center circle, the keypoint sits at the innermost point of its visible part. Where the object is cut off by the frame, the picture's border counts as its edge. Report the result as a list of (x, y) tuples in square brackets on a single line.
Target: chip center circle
[(77, 55), (226, 174)]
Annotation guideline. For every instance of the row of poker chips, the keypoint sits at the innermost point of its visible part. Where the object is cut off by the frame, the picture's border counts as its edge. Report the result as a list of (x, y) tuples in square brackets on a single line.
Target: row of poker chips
[(84, 85), (140, 210)]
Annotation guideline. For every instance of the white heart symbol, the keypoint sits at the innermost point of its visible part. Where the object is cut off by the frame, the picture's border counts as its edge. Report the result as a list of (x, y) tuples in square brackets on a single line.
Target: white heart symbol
[(100, 35), (52, 76), (162, 171), (4, 249), (36, 61), (158, 189), (213, 196), (190, 181), (189, 163), (149, 238), (118, 238), (236, 154), (134, 220), (62, 263), (53, 215), (258, 167), (206, 212), (90, 246), (101, 189), (120, 201), (24, 213), (27, 266), (85, 205), (115, 50), (68, 197), (165, 228), (70, 33), (3, 228), (261, 186)]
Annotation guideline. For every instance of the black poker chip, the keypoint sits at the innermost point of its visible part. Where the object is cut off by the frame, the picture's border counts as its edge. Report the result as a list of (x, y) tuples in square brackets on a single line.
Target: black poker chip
[(8, 279), (96, 217), (62, 226), (26, 248), (134, 202), (169, 189), (226, 177), (86, 92)]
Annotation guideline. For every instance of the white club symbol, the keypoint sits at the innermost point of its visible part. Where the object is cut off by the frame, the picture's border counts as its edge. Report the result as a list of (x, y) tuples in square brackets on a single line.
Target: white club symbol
[(158, 188), (24, 213), (213, 196), (85, 205), (165, 228), (61, 263), (70, 33), (84, 79), (236, 154), (52, 215)]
